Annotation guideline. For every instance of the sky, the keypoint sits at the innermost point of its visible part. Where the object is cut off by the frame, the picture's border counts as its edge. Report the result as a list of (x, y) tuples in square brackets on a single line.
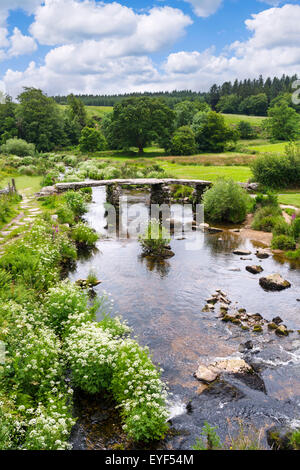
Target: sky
[(105, 47)]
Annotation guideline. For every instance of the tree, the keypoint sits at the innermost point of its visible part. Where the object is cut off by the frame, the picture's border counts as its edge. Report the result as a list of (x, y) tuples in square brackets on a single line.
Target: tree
[(229, 104), (77, 110), (283, 122), (91, 140), (213, 133), (8, 124), (185, 112), (256, 105), (137, 122), (183, 142), (40, 120), (245, 130)]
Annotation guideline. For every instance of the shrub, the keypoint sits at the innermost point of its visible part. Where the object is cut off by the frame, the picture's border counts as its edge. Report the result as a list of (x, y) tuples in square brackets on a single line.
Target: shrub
[(66, 305), (296, 228), (283, 242), (154, 240), (183, 142), (92, 140), (76, 202), (245, 130), (278, 171), (282, 228), (84, 236), (226, 201), (65, 215), (267, 218), (18, 147)]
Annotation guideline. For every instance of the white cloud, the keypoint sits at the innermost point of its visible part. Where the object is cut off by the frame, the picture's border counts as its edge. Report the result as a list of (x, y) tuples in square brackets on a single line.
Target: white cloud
[(94, 21), (205, 8), (111, 64), (27, 5), (21, 44)]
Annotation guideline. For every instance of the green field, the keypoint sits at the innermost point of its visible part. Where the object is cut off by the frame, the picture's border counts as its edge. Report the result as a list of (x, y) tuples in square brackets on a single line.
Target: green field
[(209, 173), (98, 111), (236, 118), (290, 199), (270, 148), (29, 184)]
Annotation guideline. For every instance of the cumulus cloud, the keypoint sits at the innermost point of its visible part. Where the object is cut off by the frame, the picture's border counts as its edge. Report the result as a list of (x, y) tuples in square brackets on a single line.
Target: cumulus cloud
[(21, 44), (27, 5), (91, 20), (205, 8), (112, 63)]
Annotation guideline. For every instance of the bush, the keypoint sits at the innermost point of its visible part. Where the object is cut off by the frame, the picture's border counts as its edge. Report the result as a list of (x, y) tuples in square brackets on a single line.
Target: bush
[(92, 140), (245, 130), (296, 228), (278, 171), (283, 242), (183, 142), (18, 147), (76, 202), (282, 228), (65, 215), (154, 240), (84, 236), (226, 201), (266, 218)]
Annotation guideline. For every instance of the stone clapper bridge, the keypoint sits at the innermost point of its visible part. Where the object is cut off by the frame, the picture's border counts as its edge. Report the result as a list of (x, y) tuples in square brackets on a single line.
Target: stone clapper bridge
[(160, 188)]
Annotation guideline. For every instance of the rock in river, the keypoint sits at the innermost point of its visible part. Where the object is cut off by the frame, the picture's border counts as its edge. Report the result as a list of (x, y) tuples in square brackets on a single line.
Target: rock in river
[(208, 374), (254, 269), (262, 254), (242, 252), (274, 282)]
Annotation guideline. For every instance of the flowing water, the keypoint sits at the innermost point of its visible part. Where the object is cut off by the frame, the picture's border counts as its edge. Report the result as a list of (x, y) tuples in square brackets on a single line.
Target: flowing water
[(163, 304)]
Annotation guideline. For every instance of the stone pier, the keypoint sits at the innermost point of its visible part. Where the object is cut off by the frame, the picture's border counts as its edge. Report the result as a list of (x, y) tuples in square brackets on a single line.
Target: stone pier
[(160, 194)]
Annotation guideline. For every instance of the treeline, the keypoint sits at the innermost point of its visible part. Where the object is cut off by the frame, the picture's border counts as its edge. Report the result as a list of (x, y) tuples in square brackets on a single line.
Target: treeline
[(172, 98), (251, 97)]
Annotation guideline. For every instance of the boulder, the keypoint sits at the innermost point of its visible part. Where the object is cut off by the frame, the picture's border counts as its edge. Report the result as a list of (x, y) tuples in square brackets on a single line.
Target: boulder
[(242, 252), (262, 254), (214, 230), (206, 374), (282, 330), (254, 269), (277, 320), (274, 282)]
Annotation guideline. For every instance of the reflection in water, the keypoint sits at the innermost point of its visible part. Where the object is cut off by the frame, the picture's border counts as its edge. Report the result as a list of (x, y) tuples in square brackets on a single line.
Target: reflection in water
[(163, 303), (160, 266)]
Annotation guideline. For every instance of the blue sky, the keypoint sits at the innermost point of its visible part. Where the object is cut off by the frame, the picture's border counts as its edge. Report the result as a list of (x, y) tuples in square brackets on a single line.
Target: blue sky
[(91, 46)]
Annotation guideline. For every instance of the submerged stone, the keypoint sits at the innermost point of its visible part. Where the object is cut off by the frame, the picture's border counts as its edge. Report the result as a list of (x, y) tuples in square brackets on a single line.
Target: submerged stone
[(254, 269)]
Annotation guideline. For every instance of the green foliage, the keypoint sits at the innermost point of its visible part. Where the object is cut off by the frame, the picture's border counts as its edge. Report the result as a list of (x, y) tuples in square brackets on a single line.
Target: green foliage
[(212, 134), (183, 142), (154, 240), (245, 130), (295, 439), (228, 104), (266, 218), (65, 215), (18, 147), (8, 203), (84, 236), (40, 120), (76, 202), (226, 201), (256, 105), (284, 122), (296, 228), (283, 242), (210, 439), (77, 111), (185, 112), (277, 171), (282, 228), (92, 140), (138, 121)]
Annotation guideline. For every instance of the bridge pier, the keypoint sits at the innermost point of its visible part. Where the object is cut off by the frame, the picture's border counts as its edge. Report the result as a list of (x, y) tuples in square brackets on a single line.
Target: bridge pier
[(160, 194), (198, 193), (113, 194)]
